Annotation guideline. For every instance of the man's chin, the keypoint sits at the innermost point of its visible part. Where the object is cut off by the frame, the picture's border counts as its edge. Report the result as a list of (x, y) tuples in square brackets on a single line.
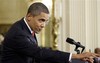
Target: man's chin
[(37, 32)]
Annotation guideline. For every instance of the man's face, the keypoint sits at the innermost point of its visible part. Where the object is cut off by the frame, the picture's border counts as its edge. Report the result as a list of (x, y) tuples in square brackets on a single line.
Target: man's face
[(38, 22)]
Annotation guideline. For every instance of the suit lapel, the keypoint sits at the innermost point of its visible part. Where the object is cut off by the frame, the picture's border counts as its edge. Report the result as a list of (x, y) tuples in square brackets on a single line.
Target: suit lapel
[(28, 33)]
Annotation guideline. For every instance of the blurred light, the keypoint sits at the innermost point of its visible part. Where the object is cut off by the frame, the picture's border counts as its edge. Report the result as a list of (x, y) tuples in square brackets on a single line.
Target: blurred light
[(48, 3)]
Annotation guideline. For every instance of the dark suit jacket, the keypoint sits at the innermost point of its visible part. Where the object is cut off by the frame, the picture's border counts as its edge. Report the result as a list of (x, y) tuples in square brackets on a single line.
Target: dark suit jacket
[(20, 47)]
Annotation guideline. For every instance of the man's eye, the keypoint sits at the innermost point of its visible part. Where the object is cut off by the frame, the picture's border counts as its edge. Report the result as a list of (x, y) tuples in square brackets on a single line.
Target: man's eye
[(42, 20)]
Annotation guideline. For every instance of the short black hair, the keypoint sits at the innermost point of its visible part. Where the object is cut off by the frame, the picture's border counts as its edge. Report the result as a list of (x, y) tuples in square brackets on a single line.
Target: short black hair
[(36, 8)]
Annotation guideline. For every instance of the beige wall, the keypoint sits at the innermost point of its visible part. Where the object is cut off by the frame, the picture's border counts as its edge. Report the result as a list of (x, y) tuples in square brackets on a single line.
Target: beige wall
[(12, 10), (83, 22)]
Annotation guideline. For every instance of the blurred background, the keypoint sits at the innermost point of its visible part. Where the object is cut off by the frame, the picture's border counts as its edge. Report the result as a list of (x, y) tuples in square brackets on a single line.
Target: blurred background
[(78, 19)]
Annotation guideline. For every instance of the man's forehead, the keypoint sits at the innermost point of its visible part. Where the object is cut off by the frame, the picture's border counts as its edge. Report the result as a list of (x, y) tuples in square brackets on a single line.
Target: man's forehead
[(44, 16)]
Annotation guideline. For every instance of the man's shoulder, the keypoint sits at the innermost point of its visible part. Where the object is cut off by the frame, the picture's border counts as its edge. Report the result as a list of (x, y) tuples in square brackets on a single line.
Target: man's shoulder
[(16, 28), (18, 24)]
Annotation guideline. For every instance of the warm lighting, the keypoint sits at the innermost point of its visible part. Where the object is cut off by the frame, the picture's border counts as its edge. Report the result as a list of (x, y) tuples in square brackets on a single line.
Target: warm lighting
[(48, 3)]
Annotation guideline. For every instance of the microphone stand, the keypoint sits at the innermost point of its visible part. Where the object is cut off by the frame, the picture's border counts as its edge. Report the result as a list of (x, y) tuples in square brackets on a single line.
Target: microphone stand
[(77, 50)]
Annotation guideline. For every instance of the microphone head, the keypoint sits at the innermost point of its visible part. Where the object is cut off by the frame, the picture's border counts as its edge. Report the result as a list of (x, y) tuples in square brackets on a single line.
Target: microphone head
[(69, 40)]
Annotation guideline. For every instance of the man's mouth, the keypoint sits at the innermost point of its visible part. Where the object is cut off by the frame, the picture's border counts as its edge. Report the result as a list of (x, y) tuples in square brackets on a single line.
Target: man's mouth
[(39, 29)]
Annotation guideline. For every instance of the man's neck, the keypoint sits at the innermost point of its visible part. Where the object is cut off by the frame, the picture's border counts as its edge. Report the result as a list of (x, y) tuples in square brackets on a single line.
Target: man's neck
[(27, 25)]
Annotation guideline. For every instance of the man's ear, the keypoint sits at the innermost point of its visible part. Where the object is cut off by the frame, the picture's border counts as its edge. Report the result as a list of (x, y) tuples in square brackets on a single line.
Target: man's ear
[(29, 16)]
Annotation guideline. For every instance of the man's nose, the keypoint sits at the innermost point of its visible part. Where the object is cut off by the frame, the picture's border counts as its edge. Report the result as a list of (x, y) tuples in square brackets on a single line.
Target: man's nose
[(43, 25)]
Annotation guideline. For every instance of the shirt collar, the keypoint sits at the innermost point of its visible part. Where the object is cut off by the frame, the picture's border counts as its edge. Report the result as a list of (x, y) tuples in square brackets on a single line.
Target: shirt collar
[(28, 25)]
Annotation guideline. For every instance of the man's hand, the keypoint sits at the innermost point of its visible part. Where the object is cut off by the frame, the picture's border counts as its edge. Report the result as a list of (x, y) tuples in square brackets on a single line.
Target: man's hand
[(90, 60), (87, 56)]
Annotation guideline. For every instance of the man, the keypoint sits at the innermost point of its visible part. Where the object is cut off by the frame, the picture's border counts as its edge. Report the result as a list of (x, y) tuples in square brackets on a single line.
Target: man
[(97, 50), (20, 46)]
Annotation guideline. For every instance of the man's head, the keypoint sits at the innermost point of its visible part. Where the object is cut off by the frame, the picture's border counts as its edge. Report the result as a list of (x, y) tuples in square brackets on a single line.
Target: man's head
[(37, 16), (97, 50)]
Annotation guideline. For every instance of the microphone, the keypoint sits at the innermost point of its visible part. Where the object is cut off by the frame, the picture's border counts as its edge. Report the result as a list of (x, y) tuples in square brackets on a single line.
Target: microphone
[(78, 44), (71, 41)]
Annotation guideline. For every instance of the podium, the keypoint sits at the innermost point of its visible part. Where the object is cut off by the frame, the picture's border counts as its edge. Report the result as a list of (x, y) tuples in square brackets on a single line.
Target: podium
[(96, 60), (78, 61)]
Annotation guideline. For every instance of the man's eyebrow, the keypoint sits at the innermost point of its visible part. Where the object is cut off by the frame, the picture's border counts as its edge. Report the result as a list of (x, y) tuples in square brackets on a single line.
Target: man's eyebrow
[(44, 19)]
